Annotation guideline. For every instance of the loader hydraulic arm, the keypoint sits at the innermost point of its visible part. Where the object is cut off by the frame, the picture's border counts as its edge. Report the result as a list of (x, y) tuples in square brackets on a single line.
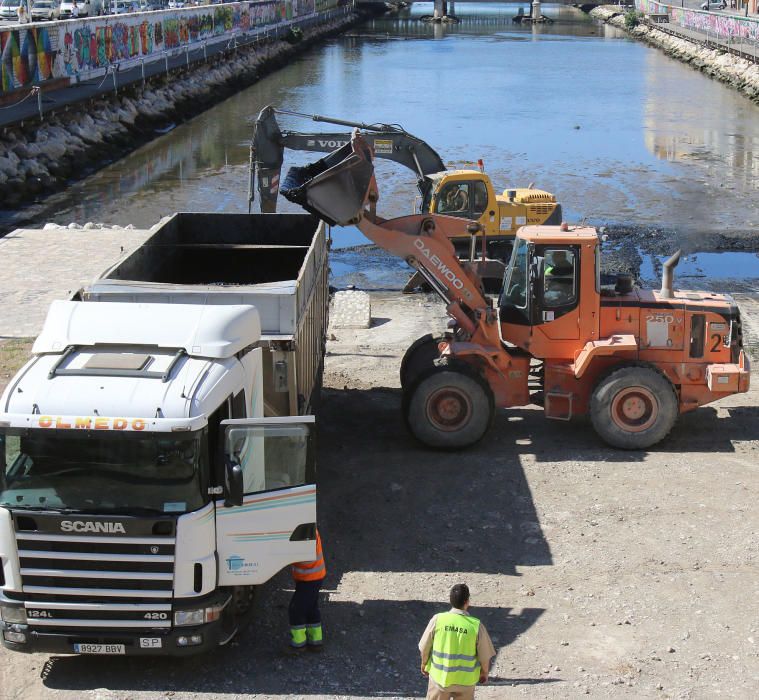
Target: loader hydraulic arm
[(269, 142), (341, 189)]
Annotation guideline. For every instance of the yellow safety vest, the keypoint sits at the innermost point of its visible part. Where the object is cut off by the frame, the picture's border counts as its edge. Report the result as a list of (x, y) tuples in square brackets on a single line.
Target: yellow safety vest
[(453, 659)]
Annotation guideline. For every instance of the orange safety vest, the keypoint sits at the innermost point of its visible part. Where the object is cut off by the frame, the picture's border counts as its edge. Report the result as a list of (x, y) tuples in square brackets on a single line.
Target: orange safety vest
[(311, 570)]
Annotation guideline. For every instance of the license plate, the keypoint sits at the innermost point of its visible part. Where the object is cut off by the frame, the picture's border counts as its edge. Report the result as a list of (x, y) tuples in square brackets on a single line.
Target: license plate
[(150, 642), (99, 649)]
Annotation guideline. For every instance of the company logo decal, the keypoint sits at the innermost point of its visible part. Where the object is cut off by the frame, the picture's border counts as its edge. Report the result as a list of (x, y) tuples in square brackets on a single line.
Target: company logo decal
[(239, 565), (441, 267), (91, 423)]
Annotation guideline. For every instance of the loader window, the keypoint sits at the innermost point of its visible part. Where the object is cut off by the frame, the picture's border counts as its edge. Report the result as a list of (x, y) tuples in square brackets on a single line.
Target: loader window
[(479, 199), (559, 278), (514, 293)]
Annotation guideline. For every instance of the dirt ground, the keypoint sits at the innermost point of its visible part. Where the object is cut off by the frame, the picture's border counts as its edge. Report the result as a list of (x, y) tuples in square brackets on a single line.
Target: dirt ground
[(597, 572)]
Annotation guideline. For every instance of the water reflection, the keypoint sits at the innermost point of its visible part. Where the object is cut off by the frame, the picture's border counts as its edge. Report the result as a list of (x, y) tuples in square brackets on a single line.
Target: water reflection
[(607, 124)]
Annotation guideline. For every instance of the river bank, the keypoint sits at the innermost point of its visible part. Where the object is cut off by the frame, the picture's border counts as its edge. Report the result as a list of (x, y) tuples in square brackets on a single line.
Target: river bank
[(39, 159), (736, 72)]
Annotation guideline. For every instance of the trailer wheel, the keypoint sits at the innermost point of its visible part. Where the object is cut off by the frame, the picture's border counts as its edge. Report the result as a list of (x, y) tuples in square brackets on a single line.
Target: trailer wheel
[(634, 407), (419, 357), (448, 407)]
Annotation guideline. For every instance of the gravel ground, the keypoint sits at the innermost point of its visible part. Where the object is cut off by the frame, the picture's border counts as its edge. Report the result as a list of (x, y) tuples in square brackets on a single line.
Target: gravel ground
[(597, 572)]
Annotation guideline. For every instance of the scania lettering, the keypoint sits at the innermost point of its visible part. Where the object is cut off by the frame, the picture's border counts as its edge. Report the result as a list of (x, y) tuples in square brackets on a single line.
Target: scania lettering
[(80, 526), (159, 434)]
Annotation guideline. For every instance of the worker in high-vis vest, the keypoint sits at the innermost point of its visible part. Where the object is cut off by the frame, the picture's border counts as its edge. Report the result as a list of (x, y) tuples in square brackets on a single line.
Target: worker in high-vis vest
[(456, 650), (305, 617)]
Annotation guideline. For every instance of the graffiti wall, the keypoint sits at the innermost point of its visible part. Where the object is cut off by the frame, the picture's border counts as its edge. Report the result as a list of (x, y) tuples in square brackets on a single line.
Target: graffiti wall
[(721, 24), (74, 48)]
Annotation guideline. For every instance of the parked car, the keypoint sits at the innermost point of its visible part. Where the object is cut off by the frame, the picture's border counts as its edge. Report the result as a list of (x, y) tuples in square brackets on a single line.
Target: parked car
[(87, 8), (177, 4), (713, 5), (45, 10), (120, 7), (9, 9)]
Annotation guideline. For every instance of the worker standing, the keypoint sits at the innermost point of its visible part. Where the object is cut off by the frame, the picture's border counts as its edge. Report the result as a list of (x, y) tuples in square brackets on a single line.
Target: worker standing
[(456, 650), (305, 616)]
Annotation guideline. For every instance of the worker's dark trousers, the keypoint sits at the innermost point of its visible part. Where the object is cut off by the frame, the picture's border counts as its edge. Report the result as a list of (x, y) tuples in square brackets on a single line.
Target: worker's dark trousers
[(304, 612)]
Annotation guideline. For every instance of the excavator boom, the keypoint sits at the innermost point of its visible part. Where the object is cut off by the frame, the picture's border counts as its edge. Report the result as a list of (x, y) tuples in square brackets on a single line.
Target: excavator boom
[(389, 141)]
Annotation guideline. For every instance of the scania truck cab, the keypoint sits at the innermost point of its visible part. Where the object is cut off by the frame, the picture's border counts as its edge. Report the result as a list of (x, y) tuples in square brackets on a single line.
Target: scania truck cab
[(143, 495)]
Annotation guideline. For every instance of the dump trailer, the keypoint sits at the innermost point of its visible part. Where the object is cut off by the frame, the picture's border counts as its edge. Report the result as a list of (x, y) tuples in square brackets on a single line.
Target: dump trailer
[(156, 459), (631, 359)]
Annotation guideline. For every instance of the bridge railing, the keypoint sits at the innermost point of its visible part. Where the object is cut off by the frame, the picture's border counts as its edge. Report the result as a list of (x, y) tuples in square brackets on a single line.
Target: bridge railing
[(76, 50), (737, 33)]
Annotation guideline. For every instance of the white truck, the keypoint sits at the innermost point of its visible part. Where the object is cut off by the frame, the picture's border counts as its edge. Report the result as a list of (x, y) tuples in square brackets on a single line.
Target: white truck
[(156, 459)]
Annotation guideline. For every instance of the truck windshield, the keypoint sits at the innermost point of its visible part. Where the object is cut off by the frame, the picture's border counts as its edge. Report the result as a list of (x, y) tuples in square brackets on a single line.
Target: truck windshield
[(101, 473)]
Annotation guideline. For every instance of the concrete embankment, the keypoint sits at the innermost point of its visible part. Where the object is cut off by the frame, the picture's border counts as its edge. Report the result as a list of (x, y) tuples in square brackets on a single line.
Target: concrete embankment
[(38, 158), (737, 72)]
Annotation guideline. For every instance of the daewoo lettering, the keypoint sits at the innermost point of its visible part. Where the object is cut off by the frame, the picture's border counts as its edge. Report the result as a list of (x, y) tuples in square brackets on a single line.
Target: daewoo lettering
[(84, 526), (444, 270)]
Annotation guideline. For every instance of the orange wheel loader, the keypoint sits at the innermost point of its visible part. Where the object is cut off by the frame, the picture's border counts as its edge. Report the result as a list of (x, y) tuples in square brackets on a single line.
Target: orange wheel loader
[(632, 359)]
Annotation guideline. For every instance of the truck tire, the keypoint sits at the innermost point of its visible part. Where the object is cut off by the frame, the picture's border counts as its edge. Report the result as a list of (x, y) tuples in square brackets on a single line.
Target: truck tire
[(634, 407), (448, 407), (419, 357), (240, 611)]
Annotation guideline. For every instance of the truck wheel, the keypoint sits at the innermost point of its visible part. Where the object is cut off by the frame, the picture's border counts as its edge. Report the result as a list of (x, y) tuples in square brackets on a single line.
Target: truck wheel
[(448, 407), (419, 357), (239, 612), (634, 407)]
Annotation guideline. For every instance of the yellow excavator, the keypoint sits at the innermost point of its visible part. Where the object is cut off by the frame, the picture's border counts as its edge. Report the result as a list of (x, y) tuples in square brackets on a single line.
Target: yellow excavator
[(467, 194)]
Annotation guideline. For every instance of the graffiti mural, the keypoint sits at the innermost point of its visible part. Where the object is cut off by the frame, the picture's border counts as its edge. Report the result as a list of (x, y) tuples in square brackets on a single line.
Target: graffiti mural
[(718, 24), (73, 48), (27, 56)]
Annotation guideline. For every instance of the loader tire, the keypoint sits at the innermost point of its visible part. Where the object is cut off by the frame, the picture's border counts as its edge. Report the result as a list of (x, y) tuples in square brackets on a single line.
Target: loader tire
[(419, 357), (634, 407), (448, 407)]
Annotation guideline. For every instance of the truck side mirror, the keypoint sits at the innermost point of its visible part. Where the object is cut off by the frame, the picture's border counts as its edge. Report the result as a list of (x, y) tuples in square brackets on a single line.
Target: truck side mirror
[(233, 484)]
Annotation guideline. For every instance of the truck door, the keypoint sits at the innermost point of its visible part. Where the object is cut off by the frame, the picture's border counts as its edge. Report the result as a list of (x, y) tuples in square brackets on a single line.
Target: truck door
[(272, 462)]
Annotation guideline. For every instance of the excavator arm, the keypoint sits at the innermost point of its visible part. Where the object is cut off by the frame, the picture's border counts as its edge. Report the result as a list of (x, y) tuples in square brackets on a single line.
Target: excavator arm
[(269, 142)]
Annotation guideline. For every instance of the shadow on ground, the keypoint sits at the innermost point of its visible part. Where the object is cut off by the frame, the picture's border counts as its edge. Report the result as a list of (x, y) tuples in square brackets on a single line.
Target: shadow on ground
[(371, 651)]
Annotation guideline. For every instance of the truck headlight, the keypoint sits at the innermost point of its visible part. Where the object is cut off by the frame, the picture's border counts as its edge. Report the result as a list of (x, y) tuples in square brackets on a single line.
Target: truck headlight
[(185, 618), (13, 615)]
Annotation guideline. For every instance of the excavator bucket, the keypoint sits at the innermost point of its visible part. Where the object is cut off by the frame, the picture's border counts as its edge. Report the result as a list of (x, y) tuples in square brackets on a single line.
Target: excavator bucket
[(336, 187)]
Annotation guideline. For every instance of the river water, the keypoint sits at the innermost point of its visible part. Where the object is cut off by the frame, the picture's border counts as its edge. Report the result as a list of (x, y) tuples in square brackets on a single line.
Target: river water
[(623, 135)]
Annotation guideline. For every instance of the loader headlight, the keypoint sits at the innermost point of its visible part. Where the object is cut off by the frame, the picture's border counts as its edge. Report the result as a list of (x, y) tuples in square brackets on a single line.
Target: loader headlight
[(13, 615)]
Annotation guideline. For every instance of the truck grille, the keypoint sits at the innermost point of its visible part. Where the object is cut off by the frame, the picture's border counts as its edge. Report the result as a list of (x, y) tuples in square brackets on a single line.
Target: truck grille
[(110, 581)]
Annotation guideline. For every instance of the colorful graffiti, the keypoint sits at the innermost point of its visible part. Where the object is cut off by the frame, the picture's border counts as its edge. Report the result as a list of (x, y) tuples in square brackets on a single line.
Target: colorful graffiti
[(27, 56), (75, 47), (717, 24)]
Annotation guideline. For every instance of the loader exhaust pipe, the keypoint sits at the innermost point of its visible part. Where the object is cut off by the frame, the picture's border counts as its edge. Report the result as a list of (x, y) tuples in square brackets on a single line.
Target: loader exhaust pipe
[(667, 276)]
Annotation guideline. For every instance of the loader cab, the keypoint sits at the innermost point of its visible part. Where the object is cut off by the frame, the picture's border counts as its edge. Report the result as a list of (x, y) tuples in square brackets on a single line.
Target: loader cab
[(549, 299)]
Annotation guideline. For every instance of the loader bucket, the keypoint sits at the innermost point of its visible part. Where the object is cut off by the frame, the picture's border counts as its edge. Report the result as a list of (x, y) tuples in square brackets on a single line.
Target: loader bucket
[(335, 187)]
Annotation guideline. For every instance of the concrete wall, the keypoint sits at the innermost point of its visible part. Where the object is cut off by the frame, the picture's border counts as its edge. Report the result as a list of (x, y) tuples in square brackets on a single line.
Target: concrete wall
[(81, 49), (723, 24)]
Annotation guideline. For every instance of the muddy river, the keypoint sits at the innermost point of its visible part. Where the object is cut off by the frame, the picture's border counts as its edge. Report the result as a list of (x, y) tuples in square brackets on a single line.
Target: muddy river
[(624, 136)]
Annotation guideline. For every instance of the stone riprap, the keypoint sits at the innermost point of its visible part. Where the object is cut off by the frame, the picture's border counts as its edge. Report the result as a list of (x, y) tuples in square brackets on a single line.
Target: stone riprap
[(41, 158), (739, 73), (351, 309), (42, 265)]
